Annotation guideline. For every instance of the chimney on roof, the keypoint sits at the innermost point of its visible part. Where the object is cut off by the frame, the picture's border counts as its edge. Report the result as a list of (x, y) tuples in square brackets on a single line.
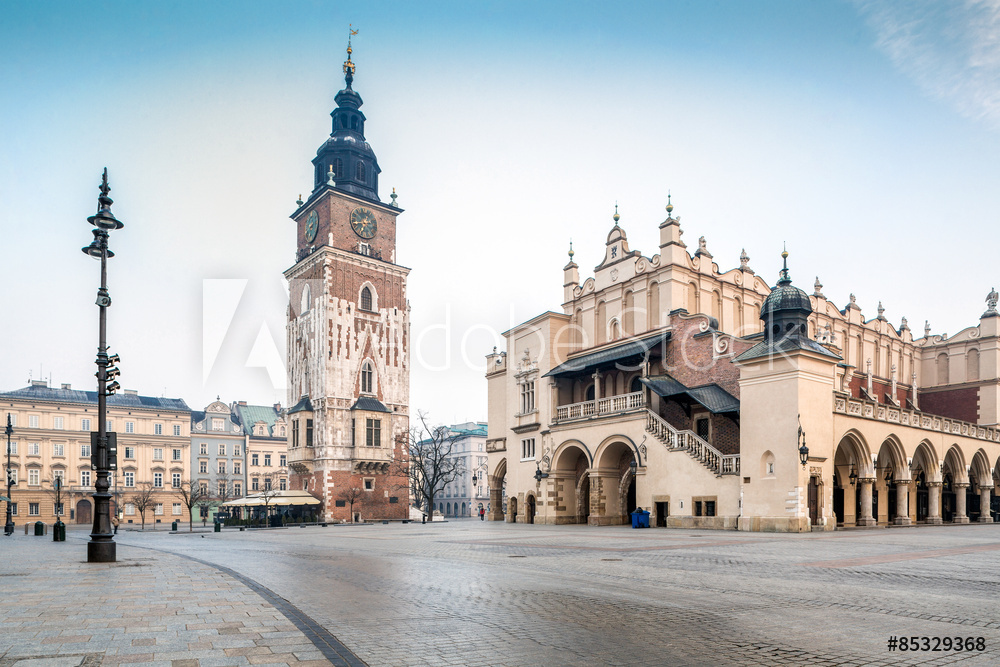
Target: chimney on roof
[(66, 386), (131, 392), (277, 407), (243, 403)]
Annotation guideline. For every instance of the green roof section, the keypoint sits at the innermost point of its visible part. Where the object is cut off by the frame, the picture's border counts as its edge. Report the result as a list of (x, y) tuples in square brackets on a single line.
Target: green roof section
[(251, 414)]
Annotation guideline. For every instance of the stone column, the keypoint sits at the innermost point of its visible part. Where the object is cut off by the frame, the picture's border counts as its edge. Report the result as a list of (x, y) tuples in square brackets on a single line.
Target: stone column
[(496, 505), (960, 515), (902, 506), (984, 504), (866, 518), (934, 502)]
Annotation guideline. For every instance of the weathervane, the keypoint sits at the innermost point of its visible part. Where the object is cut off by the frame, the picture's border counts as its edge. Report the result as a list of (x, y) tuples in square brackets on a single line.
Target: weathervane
[(348, 65)]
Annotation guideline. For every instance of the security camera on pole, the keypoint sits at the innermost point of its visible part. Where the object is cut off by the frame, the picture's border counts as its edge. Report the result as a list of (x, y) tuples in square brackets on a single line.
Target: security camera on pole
[(104, 450)]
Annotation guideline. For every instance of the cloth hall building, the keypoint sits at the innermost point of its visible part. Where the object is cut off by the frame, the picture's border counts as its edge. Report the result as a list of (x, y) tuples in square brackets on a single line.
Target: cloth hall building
[(712, 399)]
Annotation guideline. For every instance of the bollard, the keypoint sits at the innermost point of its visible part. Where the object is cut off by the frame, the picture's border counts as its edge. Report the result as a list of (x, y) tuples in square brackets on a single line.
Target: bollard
[(218, 527), (27, 529), (173, 526), (59, 532), (39, 528)]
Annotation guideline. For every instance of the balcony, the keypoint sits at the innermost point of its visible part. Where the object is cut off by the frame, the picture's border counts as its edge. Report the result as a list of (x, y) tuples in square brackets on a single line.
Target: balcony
[(602, 407)]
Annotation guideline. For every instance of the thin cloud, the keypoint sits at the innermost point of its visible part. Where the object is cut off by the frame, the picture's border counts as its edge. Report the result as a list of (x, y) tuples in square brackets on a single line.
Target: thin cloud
[(950, 49)]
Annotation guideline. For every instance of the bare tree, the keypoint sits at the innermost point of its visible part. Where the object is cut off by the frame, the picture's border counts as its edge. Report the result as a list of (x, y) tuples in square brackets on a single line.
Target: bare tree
[(192, 494), (432, 462), (351, 494), (269, 488), (142, 499), (224, 491)]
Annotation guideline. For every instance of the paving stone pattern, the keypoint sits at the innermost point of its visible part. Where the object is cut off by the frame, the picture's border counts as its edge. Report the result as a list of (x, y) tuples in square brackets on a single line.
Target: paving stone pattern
[(474, 593)]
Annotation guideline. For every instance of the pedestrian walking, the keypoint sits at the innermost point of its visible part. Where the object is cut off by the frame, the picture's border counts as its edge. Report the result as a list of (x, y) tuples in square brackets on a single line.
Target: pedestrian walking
[(482, 514), (114, 522)]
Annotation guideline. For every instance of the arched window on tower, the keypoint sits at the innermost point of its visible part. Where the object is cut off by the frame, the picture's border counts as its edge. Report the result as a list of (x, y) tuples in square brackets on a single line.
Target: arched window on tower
[(354, 122), (338, 168), (305, 299), (367, 377), (360, 175), (366, 298)]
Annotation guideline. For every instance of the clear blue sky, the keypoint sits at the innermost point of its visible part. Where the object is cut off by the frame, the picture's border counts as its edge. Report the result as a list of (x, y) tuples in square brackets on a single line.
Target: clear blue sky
[(863, 134)]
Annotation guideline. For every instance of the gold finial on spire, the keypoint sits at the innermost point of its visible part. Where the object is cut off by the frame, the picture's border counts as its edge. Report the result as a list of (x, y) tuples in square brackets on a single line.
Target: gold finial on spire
[(348, 65), (616, 217), (571, 250), (670, 207), (784, 277)]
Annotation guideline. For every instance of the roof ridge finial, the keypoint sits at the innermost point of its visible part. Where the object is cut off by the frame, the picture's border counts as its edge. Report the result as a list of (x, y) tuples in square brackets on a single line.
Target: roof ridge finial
[(348, 65), (670, 207), (784, 278), (571, 250), (616, 217)]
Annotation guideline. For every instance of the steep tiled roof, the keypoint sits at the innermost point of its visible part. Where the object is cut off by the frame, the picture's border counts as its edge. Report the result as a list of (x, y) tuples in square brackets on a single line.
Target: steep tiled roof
[(370, 404), (41, 393), (251, 414)]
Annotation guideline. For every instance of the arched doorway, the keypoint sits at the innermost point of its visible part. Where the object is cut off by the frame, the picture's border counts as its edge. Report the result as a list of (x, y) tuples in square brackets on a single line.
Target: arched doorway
[(925, 473), (83, 512), (512, 510), (953, 487), (852, 502), (889, 500), (529, 509), (616, 481), (571, 473), (498, 492)]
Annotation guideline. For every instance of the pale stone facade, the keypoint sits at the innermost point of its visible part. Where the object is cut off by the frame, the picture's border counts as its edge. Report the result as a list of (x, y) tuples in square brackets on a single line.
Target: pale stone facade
[(218, 457), (51, 437), (660, 386), (266, 453), (470, 490)]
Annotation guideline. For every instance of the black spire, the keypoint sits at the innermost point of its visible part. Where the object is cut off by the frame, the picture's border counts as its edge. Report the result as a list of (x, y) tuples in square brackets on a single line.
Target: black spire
[(346, 153), (786, 309)]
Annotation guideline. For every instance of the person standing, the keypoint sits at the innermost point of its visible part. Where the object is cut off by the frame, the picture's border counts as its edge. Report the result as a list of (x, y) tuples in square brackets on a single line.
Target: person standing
[(482, 514)]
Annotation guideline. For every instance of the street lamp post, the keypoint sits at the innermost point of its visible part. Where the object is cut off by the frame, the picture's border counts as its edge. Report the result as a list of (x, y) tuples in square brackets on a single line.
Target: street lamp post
[(101, 548), (8, 527)]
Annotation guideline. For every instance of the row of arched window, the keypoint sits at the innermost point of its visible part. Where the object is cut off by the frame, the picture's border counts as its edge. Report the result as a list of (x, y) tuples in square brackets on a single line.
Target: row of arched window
[(337, 166), (366, 300)]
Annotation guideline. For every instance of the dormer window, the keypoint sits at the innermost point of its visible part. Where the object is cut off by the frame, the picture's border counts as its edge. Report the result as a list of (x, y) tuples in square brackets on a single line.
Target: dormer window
[(366, 299), (367, 376)]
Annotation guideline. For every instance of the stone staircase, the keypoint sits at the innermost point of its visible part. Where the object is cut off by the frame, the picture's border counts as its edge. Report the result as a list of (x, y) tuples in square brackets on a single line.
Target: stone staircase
[(677, 440)]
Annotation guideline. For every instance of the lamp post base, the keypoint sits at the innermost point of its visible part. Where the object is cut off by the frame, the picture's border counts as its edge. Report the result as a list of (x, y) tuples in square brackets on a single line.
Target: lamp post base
[(101, 552)]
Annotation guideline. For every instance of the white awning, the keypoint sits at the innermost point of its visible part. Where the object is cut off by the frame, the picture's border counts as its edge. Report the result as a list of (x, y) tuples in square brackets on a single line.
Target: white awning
[(279, 498)]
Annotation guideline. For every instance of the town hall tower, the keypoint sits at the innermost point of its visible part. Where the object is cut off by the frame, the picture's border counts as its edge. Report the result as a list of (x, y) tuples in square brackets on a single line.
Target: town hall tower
[(348, 332)]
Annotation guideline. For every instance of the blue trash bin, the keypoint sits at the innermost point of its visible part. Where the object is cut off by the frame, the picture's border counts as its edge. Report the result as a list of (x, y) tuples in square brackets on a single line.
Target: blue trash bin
[(640, 518)]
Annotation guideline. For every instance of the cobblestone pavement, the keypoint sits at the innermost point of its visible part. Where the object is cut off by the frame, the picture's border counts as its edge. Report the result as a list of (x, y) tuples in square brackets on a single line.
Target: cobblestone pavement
[(474, 593)]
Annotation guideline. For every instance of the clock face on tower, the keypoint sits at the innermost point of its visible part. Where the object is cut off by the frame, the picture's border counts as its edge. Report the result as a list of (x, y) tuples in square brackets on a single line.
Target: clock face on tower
[(312, 224), (363, 222)]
